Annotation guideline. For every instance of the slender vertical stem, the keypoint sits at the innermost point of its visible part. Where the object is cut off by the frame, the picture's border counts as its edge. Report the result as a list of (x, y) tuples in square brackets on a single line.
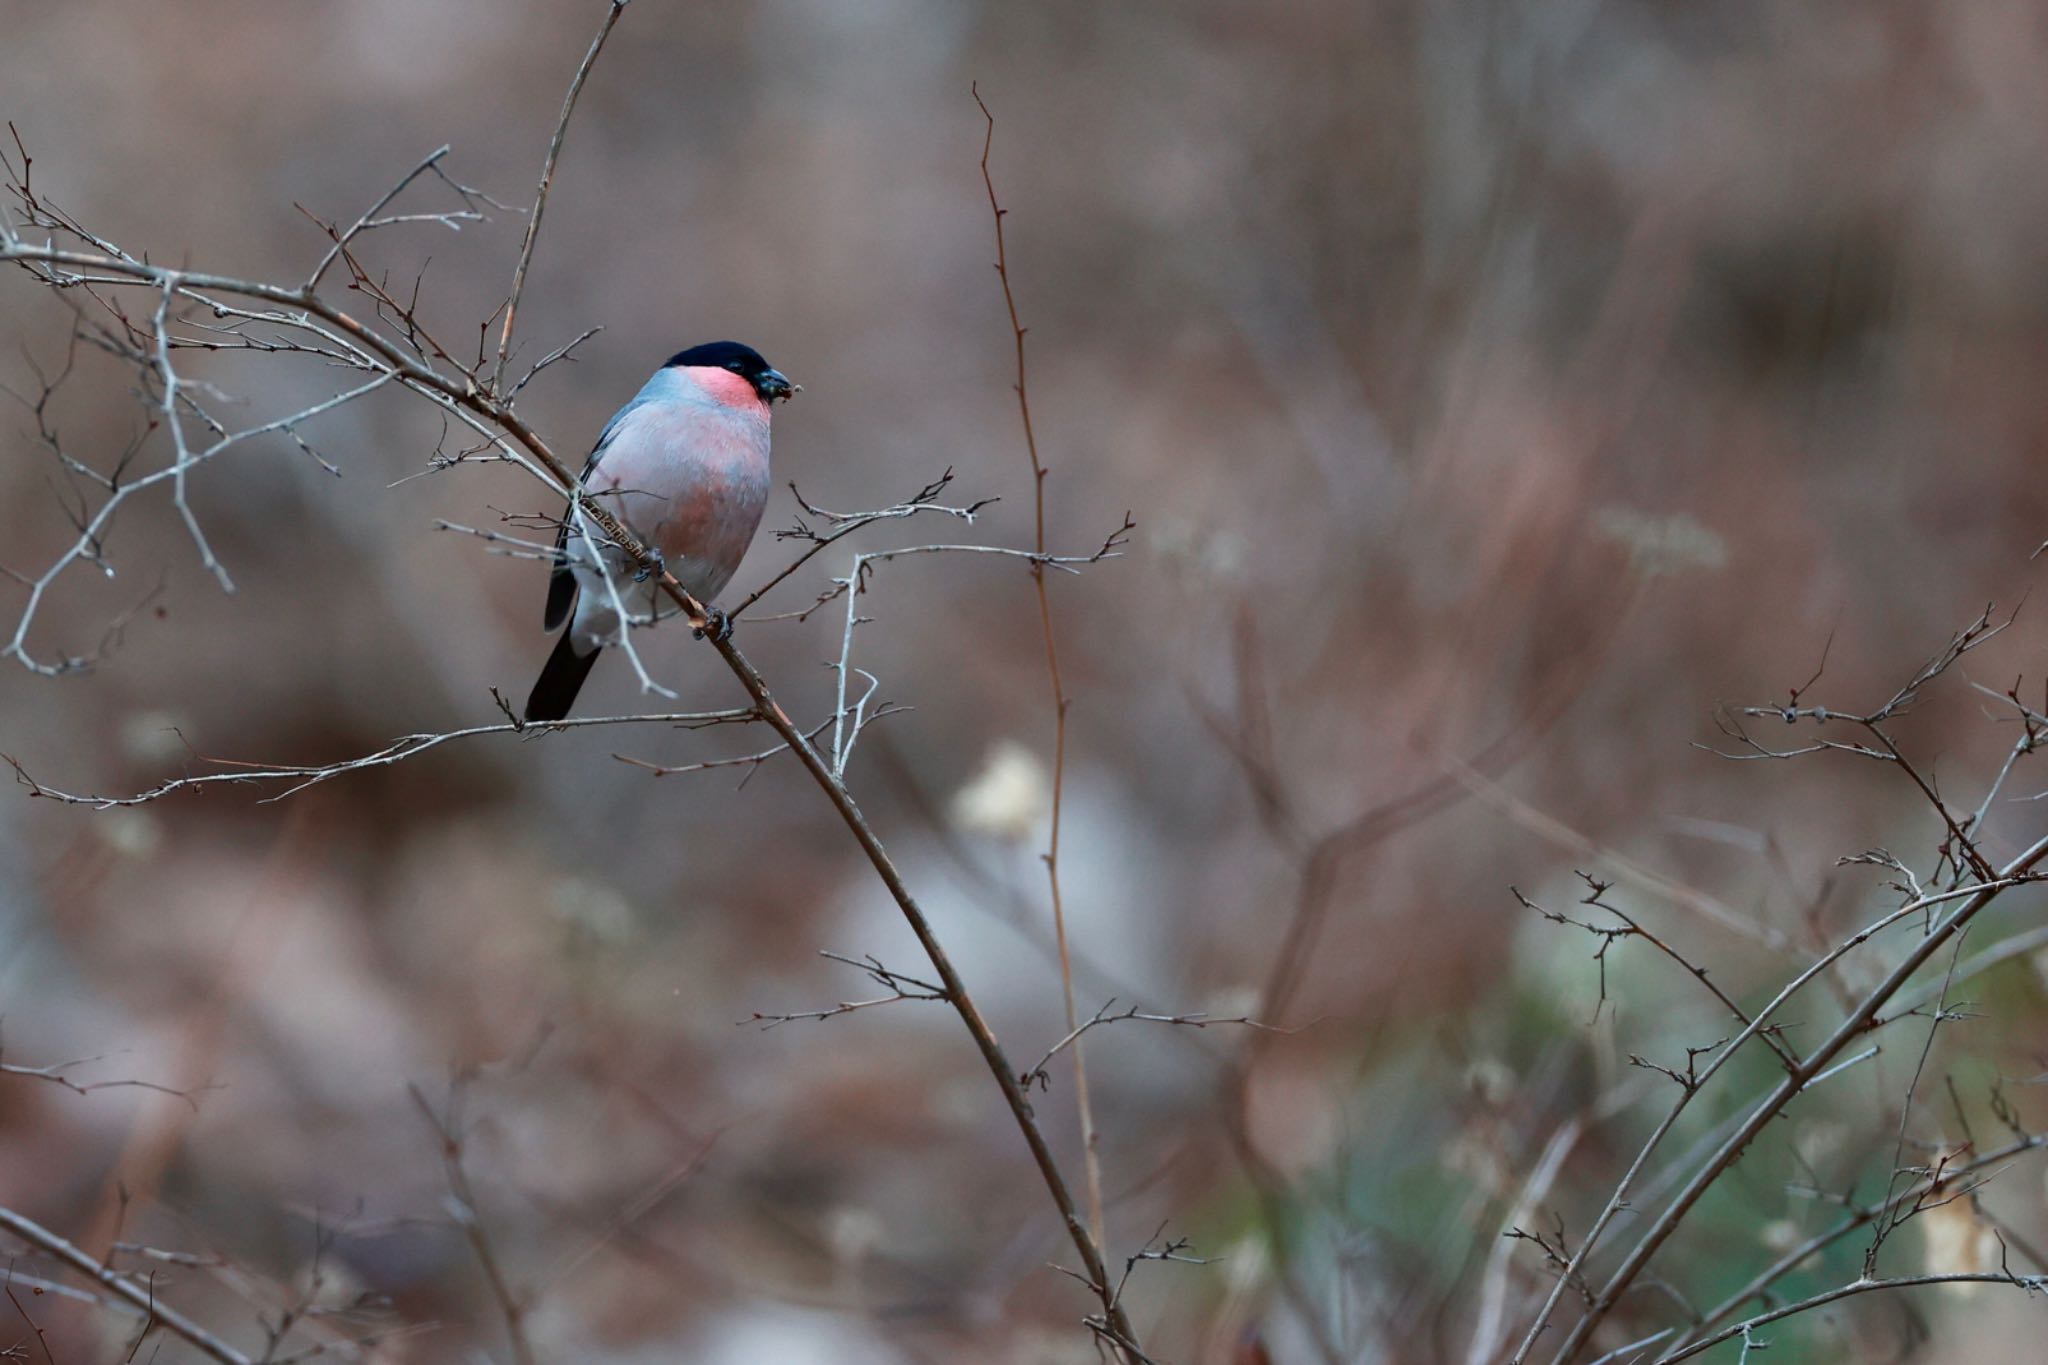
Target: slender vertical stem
[(1091, 1157), (547, 183)]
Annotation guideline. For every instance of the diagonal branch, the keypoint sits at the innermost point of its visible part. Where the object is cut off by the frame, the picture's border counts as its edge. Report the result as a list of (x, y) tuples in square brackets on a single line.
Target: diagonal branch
[(119, 1285), (1860, 1019)]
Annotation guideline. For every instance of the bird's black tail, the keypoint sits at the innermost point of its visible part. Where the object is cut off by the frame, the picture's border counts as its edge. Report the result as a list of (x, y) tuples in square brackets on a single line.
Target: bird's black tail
[(554, 692)]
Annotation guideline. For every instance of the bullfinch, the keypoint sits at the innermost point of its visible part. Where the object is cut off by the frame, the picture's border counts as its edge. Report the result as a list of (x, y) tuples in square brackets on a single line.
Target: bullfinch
[(684, 466)]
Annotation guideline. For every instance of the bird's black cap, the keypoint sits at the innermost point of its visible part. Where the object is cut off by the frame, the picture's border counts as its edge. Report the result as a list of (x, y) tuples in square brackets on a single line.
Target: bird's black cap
[(744, 361), (726, 355)]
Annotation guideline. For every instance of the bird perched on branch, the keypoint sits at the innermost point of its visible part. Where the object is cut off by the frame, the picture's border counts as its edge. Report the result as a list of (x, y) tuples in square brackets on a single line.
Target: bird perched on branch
[(684, 466)]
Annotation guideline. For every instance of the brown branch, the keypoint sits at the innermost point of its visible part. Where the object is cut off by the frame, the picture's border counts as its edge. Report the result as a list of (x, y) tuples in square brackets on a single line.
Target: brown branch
[(547, 182), (463, 398), (997, 1061), (463, 1207), (1084, 1105)]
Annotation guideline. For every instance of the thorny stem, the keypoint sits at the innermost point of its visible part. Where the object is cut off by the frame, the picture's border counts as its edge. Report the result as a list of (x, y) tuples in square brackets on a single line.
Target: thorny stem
[(1090, 1156)]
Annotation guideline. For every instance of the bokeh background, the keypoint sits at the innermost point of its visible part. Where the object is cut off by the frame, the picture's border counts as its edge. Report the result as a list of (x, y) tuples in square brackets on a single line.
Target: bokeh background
[(1498, 389)]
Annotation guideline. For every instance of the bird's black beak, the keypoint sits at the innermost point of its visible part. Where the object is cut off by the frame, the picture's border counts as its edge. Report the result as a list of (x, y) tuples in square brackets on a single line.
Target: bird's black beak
[(771, 385)]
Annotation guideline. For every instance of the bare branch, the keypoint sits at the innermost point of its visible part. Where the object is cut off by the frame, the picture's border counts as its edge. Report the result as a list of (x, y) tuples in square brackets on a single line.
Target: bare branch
[(748, 761), (846, 523), (1084, 1105), (2033, 1284), (566, 351), (407, 746), (462, 1206), (899, 986), (1596, 897), (368, 220), (58, 1073), (547, 183), (1038, 1076), (1817, 1062), (1799, 1079), (119, 1285)]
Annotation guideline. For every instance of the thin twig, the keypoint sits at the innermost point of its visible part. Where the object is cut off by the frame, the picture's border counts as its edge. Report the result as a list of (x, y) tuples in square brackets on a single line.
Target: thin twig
[(1090, 1155), (462, 1207), (899, 986), (111, 1280), (1493, 1322), (1198, 1020), (57, 1073), (342, 239), (405, 747), (846, 523), (2033, 1284), (547, 183)]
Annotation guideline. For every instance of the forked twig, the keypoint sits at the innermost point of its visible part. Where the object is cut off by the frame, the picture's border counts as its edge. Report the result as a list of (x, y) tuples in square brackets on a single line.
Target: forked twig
[(122, 1287)]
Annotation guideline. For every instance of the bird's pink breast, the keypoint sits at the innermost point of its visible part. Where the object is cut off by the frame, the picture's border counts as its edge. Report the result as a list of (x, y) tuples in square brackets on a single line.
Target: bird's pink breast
[(725, 388), (692, 478)]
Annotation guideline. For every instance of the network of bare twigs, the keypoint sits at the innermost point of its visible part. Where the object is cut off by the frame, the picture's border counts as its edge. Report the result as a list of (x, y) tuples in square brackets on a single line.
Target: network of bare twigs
[(1962, 881), (148, 316), (1547, 1288)]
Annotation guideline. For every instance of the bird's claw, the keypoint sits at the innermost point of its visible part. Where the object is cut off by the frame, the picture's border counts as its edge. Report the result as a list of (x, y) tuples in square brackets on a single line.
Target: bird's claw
[(717, 625), (656, 570)]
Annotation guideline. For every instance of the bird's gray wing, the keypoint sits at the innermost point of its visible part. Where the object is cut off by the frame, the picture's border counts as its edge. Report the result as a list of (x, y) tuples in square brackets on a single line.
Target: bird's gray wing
[(562, 582)]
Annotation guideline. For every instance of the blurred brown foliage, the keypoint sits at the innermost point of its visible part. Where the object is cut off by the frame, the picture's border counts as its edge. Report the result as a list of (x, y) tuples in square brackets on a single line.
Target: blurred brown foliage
[(1493, 384)]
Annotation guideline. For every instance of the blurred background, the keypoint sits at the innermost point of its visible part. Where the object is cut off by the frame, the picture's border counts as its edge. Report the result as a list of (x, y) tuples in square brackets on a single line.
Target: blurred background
[(1498, 389)]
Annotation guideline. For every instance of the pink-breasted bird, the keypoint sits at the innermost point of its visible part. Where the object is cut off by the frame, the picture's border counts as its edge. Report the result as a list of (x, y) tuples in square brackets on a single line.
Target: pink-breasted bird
[(685, 466)]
